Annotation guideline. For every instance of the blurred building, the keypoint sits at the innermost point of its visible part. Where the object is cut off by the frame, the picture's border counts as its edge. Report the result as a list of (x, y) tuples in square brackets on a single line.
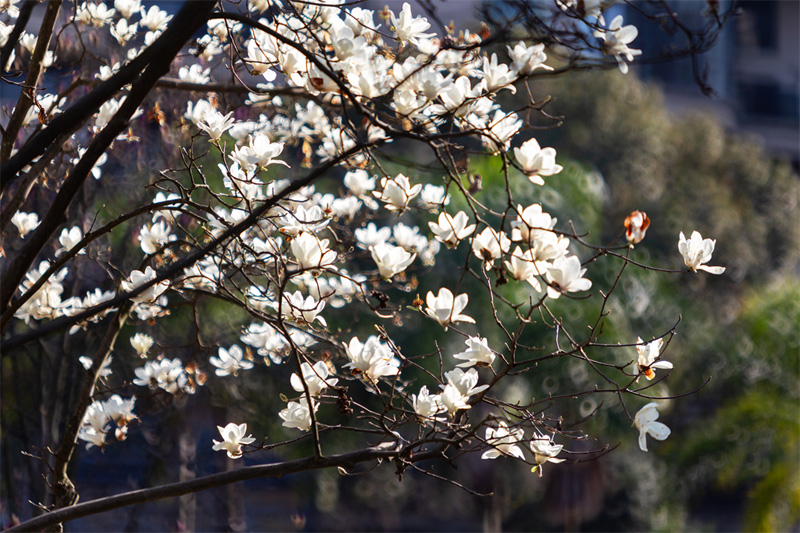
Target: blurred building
[(754, 68)]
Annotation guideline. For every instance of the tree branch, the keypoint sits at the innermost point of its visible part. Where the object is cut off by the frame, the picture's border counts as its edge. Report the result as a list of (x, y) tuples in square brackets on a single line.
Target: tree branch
[(63, 488), (28, 95), (101, 505)]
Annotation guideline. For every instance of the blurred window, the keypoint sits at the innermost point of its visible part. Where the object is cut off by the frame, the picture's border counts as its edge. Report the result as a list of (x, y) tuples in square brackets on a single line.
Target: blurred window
[(758, 24)]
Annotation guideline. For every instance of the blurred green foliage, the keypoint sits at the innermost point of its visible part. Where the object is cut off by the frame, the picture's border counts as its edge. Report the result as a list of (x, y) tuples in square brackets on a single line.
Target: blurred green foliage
[(753, 434), (738, 437)]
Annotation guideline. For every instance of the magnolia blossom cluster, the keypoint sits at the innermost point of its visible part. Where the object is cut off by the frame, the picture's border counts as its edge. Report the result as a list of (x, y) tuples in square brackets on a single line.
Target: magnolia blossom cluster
[(46, 302), (429, 86), (543, 254), (292, 253), (103, 416), (505, 442), (166, 374)]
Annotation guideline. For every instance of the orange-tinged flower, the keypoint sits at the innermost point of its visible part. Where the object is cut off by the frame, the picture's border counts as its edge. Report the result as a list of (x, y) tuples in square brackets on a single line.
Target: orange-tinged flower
[(636, 225)]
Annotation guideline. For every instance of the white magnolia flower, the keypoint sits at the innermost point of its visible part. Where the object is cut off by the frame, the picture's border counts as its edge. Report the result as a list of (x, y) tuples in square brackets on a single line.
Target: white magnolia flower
[(5, 33), (153, 236), (547, 246), (233, 439), (312, 252), (478, 353), (433, 197), (194, 74), (69, 238), (46, 302), (304, 219), (10, 8), (531, 222), (426, 405), (645, 422), (360, 20), (267, 340), (446, 309), (465, 382), (119, 410), (390, 259), (359, 182), (92, 299), (451, 230), (370, 235), (566, 275), (87, 362), (696, 251), (138, 278), (453, 399), (127, 8), (97, 15), (526, 59), (615, 40), (489, 245), (300, 309), (544, 451), (123, 32), (408, 28), (203, 275), (316, 378), (213, 122), (297, 414), (142, 342), (96, 171), (220, 28), (196, 112), (372, 359), (104, 115), (166, 374), (28, 42), (92, 437), (260, 152), (501, 130), (397, 192), (96, 417), (536, 161), (503, 442), (154, 19), (496, 75), (409, 238), (208, 47), (648, 353), (230, 361), (523, 266), (259, 60), (346, 208), (457, 98), (25, 222), (105, 72), (346, 44)]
